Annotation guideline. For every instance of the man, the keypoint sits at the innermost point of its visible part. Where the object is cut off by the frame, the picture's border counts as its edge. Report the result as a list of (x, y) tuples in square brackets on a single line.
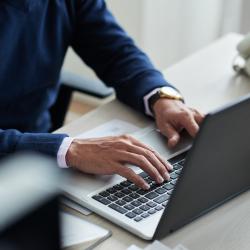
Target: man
[(35, 35)]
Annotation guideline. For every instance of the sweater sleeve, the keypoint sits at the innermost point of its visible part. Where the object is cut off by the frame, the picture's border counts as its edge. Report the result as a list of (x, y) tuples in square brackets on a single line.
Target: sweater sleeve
[(12, 141), (105, 47)]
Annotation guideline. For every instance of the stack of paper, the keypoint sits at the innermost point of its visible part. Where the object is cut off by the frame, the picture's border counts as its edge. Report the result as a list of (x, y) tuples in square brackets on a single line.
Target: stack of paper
[(157, 245), (77, 233)]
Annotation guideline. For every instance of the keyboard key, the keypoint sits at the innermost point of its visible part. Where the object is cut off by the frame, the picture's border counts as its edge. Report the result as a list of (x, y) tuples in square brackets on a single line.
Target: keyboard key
[(129, 207), (164, 204), (151, 195), (120, 202), (119, 194), (118, 187), (105, 201), (133, 188), (173, 176), (137, 211), (158, 208), (143, 200), (162, 198), (112, 198), (145, 215), (127, 199), (152, 211), (134, 195), (130, 215), (182, 162), (173, 182), (154, 186), (143, 174), (161, 190), (111, 190), (177, 166), (168, 186), (178, 171), (142, 192), (144, 207), (151, 204), (137, 219), (97, 197), (104, 194), (118, 208), (170, 191), (126, 191), (136, 203), (149, 180), (125, 183)]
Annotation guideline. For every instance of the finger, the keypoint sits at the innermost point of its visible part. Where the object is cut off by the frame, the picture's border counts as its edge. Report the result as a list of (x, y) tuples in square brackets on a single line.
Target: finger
[(198, 116), (157, 155), (143, 163), (172, 135), (189, 123), (129, 174), (149, 155)]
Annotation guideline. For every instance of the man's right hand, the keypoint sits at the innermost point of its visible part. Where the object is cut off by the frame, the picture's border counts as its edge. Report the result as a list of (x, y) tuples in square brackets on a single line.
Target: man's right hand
[(109, 155)]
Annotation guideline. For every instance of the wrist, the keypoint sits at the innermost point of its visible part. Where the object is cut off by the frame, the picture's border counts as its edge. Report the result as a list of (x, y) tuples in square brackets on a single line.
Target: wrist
[(71, 153), (163, 104), (164, 93)]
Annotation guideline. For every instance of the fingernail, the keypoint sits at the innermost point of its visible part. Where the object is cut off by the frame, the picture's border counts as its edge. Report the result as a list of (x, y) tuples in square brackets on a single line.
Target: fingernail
[(170, 167), (146, 186), (166, 176), (160, 179)]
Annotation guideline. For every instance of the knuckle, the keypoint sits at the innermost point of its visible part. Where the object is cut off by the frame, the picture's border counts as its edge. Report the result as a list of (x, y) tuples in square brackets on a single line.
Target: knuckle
[(121, 144), (126, 137), (150, 154), (128, 173), (142, 160)]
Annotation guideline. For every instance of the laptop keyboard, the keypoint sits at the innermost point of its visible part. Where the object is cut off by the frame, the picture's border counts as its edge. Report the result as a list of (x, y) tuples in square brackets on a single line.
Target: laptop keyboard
[(136, 203)]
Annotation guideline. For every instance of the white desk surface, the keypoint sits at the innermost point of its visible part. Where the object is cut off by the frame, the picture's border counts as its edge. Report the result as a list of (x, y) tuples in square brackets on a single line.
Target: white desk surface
[(207, 81)]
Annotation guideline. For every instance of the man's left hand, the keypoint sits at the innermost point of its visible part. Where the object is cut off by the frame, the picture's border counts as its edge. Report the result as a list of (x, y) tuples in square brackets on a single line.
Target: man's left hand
[(172, 116)]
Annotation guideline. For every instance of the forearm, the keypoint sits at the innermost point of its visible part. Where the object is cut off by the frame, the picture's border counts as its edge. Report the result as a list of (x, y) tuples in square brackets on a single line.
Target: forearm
[(12, 141), (106, 48)]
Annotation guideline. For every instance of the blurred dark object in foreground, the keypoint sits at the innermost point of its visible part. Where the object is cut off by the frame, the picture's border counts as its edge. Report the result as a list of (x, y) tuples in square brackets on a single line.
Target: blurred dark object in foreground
[(29, 214)]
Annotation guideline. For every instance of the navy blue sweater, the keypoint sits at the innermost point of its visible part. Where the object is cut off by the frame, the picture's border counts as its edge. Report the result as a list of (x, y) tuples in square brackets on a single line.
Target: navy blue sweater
[(34, 37)]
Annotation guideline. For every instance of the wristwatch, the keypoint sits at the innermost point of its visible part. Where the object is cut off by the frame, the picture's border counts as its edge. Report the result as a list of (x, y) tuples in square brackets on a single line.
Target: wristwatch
[(164, 92)]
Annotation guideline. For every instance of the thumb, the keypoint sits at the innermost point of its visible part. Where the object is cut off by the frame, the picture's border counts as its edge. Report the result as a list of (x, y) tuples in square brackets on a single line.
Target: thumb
[(172, 135)]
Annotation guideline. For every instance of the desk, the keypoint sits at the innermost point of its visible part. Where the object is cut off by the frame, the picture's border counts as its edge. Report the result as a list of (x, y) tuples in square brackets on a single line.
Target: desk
[(207, 81)]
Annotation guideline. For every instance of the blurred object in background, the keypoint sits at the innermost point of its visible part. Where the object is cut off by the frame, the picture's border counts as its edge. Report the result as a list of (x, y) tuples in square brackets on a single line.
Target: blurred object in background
[(29, 203), (241, 62)]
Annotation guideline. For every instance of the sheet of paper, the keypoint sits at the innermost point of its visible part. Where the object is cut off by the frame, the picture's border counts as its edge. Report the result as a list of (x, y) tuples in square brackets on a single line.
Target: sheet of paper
[(180, 247), (157, 245), (112, 128), (133, 247), (75, 230)]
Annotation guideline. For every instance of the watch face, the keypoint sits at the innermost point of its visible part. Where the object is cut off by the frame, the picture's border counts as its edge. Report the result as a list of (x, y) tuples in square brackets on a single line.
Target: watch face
[(170, 92)]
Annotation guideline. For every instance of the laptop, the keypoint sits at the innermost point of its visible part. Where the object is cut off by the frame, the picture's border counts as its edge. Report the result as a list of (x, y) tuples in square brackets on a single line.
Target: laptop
[(212, 171)]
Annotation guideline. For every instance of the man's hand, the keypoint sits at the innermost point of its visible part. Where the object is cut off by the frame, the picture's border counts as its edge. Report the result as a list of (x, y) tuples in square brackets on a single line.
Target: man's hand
[(172, 116), (109, 155)]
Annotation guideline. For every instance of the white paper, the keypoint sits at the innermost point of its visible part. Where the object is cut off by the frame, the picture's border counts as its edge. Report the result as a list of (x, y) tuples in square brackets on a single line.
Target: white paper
[(157, 245), (112, 128), (133, 247), (180, 247), (75, 230)]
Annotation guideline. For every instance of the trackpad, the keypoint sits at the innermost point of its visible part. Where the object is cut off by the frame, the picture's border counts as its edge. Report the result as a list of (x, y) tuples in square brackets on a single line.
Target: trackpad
[(150, 136)]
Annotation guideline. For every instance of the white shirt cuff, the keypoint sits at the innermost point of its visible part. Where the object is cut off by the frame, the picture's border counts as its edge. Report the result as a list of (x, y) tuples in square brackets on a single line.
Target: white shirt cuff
[(61, 154), (146, 103)]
